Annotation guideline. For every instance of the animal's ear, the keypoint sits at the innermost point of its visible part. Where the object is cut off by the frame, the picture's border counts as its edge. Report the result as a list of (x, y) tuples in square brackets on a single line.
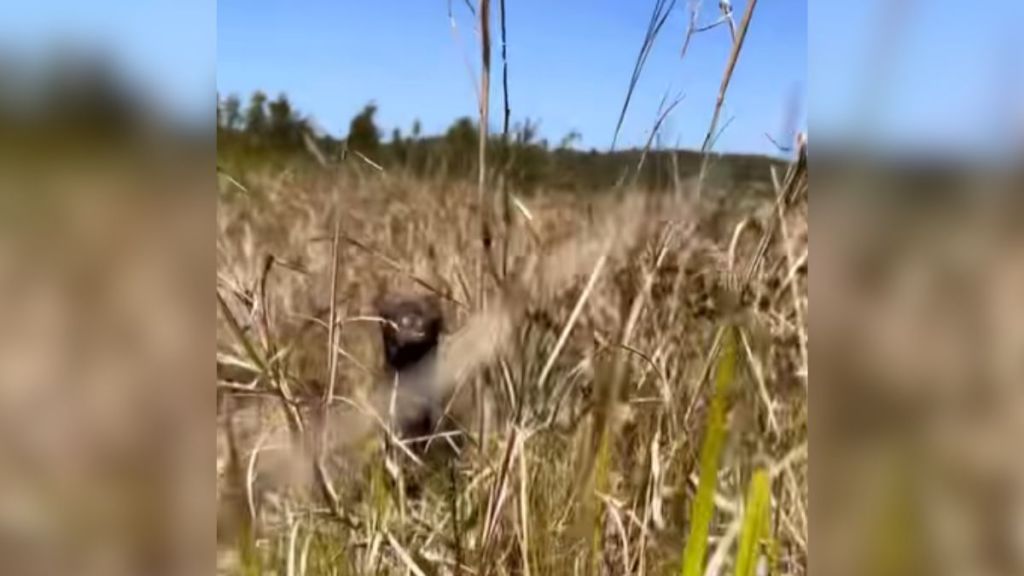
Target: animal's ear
[(433, 311), (383, 304), (433, 303)]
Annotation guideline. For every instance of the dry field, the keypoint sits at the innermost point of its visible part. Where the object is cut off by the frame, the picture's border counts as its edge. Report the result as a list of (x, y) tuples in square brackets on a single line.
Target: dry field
[(628, 371)]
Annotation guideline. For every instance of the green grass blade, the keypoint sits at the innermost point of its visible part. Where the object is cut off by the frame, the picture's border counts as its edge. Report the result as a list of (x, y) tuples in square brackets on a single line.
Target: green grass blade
[(754, 524), (714, 439)]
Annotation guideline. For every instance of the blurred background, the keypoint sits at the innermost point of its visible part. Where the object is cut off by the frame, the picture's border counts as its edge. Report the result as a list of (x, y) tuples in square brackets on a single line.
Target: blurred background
[(918, 275), (106, 333)]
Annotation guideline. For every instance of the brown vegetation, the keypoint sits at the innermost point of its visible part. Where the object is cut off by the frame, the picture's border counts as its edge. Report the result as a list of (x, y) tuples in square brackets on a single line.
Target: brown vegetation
[(626, 286)]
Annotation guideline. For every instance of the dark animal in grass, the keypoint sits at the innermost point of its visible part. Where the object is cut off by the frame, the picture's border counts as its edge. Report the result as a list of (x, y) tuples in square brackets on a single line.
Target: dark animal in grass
[(412, 391)]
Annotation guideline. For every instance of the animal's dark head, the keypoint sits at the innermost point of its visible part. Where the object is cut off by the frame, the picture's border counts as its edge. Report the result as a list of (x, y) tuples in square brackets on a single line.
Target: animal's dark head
[(412, 327)]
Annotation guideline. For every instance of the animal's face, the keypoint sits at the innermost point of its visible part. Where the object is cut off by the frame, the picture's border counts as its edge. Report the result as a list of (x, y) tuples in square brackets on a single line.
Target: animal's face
[(411, 329)]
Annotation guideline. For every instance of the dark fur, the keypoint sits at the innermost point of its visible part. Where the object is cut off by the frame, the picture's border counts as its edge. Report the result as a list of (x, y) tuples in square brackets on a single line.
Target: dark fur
[(411, 336), (413, 329)]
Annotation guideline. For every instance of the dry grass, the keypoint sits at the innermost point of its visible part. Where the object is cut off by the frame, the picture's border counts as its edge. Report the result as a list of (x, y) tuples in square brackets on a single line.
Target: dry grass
[(592, 359)]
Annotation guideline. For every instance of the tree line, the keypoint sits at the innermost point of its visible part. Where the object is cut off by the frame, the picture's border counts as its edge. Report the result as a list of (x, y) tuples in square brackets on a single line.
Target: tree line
[(272, 131)]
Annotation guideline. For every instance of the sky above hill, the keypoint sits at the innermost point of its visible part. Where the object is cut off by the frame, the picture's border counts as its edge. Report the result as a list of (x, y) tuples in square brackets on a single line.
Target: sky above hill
[(908, 74), (569, 65), (166, 49), (919, 76)]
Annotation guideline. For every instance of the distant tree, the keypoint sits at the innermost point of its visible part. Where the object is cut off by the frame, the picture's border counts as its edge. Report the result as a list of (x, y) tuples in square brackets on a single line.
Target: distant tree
[(569, 139), (284, 126), (415, 153), (363, 134), (462, 135), (399, 146), (526, 132), (460, 145), (256, 114), (232, 113), (272, 131)]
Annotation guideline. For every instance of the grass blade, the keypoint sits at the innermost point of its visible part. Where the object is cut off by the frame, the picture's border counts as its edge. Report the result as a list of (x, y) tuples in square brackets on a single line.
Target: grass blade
[(754, 524), (703, 506)]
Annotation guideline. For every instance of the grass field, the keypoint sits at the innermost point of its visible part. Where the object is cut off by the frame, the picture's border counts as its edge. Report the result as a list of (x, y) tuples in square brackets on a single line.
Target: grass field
[(626, 368), (635, 361)]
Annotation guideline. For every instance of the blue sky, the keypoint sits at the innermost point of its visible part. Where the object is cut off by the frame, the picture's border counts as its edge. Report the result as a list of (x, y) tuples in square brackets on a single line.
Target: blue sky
[(569, 65), (167, 48), (950, 74), (953, 80)]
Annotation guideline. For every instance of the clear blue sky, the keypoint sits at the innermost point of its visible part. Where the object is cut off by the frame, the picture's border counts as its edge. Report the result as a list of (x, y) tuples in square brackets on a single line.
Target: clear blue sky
[(951, 73), (167, 48), (569, 65), (954, 78)]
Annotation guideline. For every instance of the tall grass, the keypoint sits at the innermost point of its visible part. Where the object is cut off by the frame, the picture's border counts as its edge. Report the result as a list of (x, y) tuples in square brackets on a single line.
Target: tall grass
[(755, 524), (540, 358), (710, 454), (589, 422)]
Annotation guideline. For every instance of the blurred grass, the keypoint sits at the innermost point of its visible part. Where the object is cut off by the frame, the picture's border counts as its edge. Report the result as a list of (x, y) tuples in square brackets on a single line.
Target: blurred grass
[(520, 516)]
